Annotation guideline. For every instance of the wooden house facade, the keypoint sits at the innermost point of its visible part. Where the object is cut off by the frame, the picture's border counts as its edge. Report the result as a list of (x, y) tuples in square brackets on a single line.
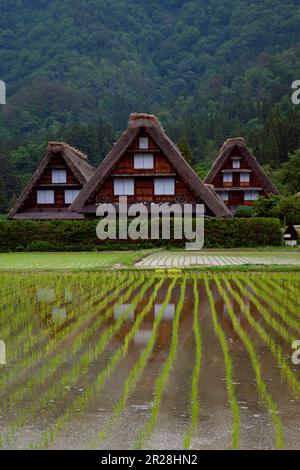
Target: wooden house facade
[(237, 177), (146, 167), (55, 185)]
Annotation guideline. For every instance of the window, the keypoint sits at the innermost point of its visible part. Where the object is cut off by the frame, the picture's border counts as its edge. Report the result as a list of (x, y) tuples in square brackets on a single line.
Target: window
[(168, 311), (245, 178), (251, 195), (164, 186), (124, 310), (224, 195), (236, 163), (144, 143), (59, 176), (123, 187), (143, 161), (227, 177), (45, 196), (71, 195)]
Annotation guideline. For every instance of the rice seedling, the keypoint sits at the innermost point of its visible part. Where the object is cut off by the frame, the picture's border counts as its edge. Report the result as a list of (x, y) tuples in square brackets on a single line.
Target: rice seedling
[(84, 399), (279, 306), (196, 372), (274, 347), (228, 368), (140, 365), (71, 375), (164, 375), (270, 319), (261, 385), (40, 354), (70, 337)]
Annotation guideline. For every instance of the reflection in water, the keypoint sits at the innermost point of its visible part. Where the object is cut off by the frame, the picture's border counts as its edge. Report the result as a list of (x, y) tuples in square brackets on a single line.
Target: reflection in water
[(169, 311), (59, 314), (120, 309), (142, 336), (2, 353), (46, 294), (56, 319)]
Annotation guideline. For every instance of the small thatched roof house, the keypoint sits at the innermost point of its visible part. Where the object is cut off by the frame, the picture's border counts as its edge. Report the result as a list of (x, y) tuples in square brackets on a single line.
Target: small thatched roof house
[(237, 176), (146, 166), (57, 182)]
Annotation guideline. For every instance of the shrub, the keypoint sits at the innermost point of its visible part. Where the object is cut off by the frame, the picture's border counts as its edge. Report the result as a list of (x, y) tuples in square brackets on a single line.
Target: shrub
[(244, 211), (26, 235), (266, 206)]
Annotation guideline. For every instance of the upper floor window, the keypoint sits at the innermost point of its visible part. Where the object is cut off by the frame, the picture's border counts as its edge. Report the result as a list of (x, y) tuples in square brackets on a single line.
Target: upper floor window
[(164, 186), (59, 176), (236, 163), (251, 195), (227, 177), (124, 187), (143, 143), (245, 178), (71, 195), (143, 161), (45, 196)]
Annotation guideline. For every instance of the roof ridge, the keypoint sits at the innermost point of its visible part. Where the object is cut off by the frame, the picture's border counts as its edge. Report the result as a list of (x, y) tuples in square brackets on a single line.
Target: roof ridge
[(64, 145)]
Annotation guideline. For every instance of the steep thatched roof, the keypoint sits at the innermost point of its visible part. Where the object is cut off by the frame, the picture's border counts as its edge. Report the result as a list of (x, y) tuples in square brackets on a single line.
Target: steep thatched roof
[(226, 151), (172, 153), (75, 160)]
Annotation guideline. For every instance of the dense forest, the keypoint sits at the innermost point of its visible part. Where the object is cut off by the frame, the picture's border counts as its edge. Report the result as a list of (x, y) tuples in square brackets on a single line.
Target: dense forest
[(210, 69)]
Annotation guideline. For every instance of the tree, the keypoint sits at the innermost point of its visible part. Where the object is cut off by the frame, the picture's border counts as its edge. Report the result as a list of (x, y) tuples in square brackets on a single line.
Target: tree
[(289, 174), (244, 211), (186, 150), (288, 210), (266, 206)]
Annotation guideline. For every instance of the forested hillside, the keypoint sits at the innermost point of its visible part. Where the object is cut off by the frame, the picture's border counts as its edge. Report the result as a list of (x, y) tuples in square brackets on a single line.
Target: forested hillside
[(210, 69)]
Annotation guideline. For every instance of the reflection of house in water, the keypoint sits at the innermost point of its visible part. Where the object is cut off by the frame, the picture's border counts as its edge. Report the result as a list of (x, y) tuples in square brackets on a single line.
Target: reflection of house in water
[(46, 294), (169, 311), (2, 353), (143, 336), (164, 331), (224, 317), (59, 314), (59, 304), (124, 309)]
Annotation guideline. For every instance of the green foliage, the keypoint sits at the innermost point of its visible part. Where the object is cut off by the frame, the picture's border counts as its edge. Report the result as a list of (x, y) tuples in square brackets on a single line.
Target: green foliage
[(186, 150), (288, 210), (26, 235), (289, 174), (207, 74), (266, 206), (244, 211)]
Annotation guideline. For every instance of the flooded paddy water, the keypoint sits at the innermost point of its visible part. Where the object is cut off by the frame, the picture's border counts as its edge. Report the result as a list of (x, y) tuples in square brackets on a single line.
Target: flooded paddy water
[(122, 360)]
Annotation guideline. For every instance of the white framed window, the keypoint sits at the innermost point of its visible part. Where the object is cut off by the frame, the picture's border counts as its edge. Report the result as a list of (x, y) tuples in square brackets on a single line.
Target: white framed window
[(45, 196), (143, 161), (59, 176), (251, 195), (71, 195), (143, 143), (245, 178), (123, 186), (224, 195), (164, 186), (168, 313), (227, 177), (236, 163)]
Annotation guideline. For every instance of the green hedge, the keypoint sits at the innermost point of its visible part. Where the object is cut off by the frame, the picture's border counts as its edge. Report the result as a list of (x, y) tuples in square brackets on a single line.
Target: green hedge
[(27, 235)]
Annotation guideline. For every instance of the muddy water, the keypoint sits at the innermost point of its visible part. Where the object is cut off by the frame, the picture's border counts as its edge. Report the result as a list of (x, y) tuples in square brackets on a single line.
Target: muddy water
[(108, 361)]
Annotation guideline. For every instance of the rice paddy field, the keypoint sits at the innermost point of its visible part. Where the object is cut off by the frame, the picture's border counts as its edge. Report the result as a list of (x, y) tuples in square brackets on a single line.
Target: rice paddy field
[(149, 360)]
